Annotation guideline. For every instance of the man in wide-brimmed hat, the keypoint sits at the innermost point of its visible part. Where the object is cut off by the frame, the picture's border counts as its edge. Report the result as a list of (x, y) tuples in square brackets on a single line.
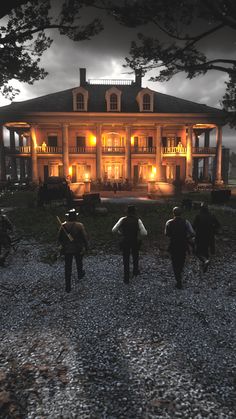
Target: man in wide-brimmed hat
[(73, 238)]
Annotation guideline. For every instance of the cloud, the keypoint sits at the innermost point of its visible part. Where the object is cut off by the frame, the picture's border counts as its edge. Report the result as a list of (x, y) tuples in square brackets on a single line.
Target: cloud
[(103, 57)]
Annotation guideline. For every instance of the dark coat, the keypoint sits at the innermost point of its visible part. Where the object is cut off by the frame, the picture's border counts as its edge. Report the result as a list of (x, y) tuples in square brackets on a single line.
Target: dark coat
[(77, 231)]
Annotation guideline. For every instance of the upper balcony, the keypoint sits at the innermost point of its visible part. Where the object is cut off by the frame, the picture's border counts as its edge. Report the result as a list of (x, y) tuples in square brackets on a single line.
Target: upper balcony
[(168, 151)]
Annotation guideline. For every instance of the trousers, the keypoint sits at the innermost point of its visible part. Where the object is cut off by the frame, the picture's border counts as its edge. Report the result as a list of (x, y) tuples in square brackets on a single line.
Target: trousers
[(133, 249), (68, 267), (178, 260)]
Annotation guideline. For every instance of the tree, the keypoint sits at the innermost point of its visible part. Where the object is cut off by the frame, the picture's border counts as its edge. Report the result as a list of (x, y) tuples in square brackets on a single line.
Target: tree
[(24, 36), (181, 27)]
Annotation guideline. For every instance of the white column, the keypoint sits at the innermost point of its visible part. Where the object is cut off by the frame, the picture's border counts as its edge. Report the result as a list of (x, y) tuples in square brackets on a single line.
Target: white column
[(218, 176), (2, 156), (128, 153), (206, 159), (12, 151), (33, 148), (65, 149), (159, 176), (189, 156), (99, 151)]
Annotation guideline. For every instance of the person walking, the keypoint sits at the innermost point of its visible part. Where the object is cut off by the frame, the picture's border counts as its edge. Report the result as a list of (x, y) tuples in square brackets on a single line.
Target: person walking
[(5, 242), (74, 241), (179, 232), (130, 228), (206, 226)]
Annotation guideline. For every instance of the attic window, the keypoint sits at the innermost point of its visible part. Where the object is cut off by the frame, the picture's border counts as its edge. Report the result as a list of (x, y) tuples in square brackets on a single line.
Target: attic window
[(80, 99), (113, 99), (145, 99), (113, 102), (146, 102), (80, 102)]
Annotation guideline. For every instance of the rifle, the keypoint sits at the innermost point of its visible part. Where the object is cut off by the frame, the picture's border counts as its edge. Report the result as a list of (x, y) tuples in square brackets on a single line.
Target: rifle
[(69, 236)]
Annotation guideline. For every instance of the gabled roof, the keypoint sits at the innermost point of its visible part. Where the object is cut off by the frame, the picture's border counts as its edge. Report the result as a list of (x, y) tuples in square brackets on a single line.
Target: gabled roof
[(63, 102)]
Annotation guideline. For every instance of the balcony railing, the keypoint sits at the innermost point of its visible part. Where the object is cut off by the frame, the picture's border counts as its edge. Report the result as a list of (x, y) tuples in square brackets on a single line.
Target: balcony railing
[(82, 150), (174, 150), (204, 150), (143, 150), (113, 150), (21, 150), (48, 150)]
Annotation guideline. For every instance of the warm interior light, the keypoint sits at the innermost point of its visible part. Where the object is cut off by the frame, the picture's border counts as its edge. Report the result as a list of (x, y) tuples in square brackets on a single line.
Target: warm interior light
[(86, 176), (70, 170), (93, 140), (132, 141), (154, 169)]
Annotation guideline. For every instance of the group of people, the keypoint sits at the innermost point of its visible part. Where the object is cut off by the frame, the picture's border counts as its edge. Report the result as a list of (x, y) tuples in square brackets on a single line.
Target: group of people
[(183, 238)]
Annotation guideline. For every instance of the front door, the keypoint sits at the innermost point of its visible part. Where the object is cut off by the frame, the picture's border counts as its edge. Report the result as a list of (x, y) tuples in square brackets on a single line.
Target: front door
[(170, 172)]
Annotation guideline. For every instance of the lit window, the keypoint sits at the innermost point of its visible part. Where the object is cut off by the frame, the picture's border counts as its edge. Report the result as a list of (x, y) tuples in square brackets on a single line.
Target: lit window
[(146, 102), (80, 101), (113, 102)]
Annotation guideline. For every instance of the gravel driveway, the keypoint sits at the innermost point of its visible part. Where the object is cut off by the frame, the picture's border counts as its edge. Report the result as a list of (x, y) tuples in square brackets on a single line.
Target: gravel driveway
[(109, 350)]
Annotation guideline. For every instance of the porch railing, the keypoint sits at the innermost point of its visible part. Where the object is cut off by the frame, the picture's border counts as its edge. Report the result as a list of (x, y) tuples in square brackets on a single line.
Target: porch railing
[(143, 150), (49, 149), (114, 150), (82, 150), (22, 150)]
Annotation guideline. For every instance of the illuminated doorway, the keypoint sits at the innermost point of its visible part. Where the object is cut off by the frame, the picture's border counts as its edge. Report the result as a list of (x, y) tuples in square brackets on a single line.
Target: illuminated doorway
[(113, 170)]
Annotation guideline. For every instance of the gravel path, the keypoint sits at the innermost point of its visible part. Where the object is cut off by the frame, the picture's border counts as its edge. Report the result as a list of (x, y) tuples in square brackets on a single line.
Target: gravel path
[(109, 350)]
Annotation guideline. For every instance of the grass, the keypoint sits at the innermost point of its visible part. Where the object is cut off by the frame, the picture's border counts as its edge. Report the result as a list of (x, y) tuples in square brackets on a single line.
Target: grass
[(41, 223)]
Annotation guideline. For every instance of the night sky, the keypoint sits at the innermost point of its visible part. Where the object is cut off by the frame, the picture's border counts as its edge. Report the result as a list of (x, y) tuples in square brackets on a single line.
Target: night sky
[(103, 57)]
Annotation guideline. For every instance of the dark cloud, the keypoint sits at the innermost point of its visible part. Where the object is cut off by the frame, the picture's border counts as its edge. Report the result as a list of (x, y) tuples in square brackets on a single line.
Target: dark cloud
[(103, 57)]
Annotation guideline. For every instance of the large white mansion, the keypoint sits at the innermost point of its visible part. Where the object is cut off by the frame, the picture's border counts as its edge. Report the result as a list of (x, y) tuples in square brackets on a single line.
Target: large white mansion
[(112, 130)]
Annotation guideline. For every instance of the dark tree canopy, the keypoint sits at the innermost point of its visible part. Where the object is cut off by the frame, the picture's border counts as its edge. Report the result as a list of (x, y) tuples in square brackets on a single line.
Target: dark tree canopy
[(24, 36), (181, 27)]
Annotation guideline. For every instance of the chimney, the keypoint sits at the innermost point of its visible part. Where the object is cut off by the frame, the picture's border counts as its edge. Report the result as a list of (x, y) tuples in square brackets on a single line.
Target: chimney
[(138, 77), (82, 72)]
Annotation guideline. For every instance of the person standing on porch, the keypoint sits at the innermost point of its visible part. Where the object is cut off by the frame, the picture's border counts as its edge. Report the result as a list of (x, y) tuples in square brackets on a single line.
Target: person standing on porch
[(179, 232), (130, 228)]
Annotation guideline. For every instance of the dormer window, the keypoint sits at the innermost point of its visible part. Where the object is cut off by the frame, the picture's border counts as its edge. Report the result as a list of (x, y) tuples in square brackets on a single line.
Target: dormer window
[(113, 102), (80, 102), (80, 99), (146, 102), (145, 99), (113, 99)]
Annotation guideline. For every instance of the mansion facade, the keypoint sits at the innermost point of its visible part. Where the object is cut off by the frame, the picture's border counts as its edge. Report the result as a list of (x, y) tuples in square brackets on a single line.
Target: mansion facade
[(112, 130)]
